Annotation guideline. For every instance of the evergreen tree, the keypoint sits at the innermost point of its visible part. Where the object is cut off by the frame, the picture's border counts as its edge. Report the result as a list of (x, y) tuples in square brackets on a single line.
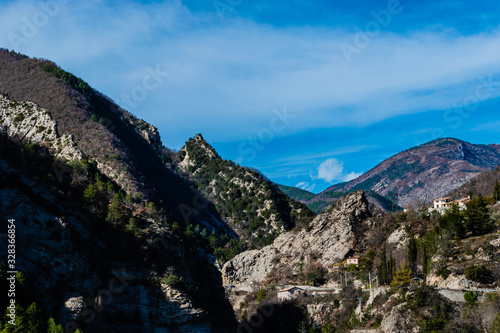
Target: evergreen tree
[(116, 210), (382, 269), (425, 259), (302, 327), (412, 253), (402, 277), (392, 269), (53, 327), (453, 221), (477, 217), (496, 190)]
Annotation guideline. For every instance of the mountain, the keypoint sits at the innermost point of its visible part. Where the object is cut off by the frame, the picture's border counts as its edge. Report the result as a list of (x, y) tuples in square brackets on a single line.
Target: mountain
[(110, 236), (419, 174), (329, 239), (251, 204), (126, 149)]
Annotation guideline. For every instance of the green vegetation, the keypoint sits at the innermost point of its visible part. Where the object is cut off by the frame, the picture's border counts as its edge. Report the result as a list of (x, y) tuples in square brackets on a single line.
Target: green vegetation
[(475, 220), (75, 82), (402, 277), (296, 193), (29, 316), (476, 217), (18, 118), (261, 294), (244, 197), (470, 297), (478, 273)]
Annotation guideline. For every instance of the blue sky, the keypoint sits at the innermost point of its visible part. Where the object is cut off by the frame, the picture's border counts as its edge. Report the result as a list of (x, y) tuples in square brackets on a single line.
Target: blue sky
[(311, 93)]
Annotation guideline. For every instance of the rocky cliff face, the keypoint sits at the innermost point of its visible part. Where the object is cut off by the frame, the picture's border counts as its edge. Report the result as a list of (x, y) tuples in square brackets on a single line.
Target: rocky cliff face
[(91, 274), (331, 237), (32, 124)]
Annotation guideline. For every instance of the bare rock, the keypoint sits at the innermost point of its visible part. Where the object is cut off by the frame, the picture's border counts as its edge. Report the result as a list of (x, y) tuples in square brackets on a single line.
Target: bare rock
[(330, 238)]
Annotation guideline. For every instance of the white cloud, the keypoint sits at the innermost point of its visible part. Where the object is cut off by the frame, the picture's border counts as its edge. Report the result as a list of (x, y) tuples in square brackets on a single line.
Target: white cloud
[(351, 176), (332, 169), (305, 186), (225, 75)]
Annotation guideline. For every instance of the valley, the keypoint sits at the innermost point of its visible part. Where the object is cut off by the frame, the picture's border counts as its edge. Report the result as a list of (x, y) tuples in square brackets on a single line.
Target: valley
[(203, 244)]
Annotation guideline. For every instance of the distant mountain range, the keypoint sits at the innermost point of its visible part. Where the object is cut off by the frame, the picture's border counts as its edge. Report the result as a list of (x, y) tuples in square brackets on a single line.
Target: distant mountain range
[(414, 176)]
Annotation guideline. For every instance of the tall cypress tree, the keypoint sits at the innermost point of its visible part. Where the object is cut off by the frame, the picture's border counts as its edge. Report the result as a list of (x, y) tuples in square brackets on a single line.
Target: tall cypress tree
[(496, 191), (424, 262), (382, 269), (391, 269), (412, 253)]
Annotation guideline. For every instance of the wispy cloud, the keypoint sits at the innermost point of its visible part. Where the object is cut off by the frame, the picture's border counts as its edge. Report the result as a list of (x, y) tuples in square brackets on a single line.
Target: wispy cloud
[(493, 126), (226, 74), (306, 186)]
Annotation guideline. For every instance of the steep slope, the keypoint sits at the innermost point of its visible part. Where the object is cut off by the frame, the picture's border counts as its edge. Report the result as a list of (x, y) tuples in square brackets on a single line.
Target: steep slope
[(424, 172), (296, 193), (254, 206), (126, 149), (483, 183), (330, 238), (94, 272)]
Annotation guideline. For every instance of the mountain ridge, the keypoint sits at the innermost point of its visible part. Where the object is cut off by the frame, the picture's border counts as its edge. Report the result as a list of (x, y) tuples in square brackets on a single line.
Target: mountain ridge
[(419, 174)]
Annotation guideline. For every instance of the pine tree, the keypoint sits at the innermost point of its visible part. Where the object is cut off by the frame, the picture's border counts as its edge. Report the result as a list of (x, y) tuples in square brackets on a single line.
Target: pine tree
[(477, 217), (302, 327), (116, 210), (402, 277), (53, 327)]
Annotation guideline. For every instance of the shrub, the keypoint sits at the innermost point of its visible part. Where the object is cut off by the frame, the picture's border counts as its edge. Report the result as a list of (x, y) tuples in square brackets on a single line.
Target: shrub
[(470, 297), (18, 118), (478, 273), (261, 294), (174, 281)]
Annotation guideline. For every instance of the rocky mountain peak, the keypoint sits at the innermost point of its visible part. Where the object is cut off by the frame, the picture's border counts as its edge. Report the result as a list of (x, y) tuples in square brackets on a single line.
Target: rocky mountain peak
[(330, 238), (354, 204)]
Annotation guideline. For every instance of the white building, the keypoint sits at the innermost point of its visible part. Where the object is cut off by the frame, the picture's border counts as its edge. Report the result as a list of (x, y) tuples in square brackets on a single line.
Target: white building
[(441, 205), (289, 293), (352, 261)]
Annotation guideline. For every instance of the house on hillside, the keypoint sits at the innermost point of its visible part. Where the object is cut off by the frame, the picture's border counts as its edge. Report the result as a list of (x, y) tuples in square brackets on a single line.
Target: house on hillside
[(352, 261), (289, 293), (441, 205)]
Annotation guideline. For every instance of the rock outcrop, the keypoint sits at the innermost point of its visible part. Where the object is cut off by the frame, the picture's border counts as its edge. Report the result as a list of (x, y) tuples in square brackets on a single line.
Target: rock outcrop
[(330, 238), (32, 124)]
